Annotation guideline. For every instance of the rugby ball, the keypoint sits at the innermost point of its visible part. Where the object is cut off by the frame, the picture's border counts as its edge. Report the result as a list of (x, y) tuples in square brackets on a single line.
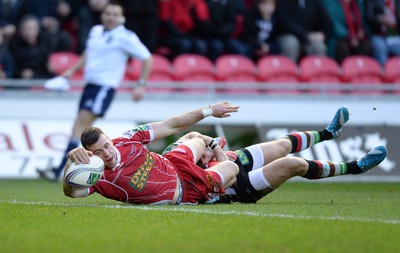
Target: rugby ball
[(85, 175)]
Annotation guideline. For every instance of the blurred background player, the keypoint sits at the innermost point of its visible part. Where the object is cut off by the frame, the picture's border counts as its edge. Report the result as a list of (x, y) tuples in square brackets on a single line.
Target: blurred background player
[(108, 49)]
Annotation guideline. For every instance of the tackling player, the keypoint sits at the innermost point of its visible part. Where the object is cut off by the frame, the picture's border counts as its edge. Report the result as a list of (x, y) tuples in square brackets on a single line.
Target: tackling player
[(264, 167)]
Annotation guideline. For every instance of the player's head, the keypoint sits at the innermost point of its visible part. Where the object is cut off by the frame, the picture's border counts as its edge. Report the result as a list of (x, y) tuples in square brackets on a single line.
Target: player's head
[(112, 15), (96, 141)]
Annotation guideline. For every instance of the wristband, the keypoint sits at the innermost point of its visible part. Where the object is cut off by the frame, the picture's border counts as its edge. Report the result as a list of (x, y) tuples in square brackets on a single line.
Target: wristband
[(213, 144), (142, 83), (207, 111)]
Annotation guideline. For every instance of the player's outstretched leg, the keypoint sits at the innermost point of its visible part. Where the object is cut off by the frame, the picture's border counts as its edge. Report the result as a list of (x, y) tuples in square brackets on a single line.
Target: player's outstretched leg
[(336, 126), (372, 159), (303, 140), (321, 169)]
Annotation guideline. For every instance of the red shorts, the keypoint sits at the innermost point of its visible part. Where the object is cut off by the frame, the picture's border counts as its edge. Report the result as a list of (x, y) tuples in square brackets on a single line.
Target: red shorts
[(197, 183)]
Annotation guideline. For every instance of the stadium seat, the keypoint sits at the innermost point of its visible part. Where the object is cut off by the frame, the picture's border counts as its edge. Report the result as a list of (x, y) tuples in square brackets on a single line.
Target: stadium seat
[(362, 71), (194, 68), (320, 69), (392, 70), (235, 71), (61, 61), (161, 69), (161, 72), (278, 69)]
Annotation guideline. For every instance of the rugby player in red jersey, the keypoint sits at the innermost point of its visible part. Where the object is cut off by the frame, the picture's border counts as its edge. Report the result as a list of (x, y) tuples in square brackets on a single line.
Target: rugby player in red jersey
[(133, 174)]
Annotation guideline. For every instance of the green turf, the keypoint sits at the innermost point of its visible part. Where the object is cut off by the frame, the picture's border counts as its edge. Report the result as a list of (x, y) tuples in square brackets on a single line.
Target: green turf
[(298, 217)]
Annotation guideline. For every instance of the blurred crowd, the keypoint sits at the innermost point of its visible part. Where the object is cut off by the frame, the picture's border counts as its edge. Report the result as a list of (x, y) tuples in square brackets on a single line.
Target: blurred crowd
[(30, 30)]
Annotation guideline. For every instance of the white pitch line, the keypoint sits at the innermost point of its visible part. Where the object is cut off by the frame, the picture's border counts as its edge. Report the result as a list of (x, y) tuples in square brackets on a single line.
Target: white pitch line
[(205, 211)]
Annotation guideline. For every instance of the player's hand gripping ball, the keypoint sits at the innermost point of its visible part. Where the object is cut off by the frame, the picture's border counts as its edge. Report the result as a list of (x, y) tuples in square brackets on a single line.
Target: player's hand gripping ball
[(85, 175)]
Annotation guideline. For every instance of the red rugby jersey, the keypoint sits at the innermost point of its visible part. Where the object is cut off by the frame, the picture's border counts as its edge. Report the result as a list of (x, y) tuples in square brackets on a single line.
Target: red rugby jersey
[(141, 176)]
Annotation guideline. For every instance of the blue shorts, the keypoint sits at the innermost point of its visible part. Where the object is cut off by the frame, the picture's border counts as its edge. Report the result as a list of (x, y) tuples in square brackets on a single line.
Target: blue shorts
[(96, 99)]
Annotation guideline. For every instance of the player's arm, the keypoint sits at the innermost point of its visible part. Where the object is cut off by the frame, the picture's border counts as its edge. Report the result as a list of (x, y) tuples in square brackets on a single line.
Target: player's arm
[(180, 122), (218, 152), (77, 66), (71, 191), (140, 87)]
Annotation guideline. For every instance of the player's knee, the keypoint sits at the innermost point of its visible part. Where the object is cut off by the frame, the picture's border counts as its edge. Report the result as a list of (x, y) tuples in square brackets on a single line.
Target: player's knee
[(296, 165), (285, 146), (232, 167)]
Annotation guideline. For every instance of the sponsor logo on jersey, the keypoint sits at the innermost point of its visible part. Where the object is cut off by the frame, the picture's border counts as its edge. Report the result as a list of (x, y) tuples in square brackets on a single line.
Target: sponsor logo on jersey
[(129, 133), (139, 179)]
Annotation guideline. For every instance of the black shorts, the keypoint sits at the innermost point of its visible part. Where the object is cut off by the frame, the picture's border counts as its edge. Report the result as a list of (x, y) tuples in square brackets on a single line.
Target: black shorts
[(96, 99)]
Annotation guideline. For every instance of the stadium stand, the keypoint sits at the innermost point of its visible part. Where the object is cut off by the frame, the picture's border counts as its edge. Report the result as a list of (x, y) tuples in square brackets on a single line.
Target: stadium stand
[(194, 68), (60, 61), (235, 71), (162, 71), (363, 71), (320, 69), (392, 70), (278, 69)]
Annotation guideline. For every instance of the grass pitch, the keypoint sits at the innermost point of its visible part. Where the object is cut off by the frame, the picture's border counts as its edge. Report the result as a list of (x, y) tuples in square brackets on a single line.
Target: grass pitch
[(298, 217)]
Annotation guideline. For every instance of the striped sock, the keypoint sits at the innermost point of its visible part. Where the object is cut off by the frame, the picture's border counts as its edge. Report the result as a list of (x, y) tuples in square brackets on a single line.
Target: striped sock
[(303, 140), (319, 169)]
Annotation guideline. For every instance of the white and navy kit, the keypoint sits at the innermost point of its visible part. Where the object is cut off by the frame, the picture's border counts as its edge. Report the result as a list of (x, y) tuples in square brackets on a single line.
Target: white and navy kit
[(107, 53)]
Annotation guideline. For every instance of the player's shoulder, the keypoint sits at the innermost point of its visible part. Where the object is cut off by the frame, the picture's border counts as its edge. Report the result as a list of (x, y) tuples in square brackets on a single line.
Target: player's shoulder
[(128, 134), (96, 29), (123, 31)]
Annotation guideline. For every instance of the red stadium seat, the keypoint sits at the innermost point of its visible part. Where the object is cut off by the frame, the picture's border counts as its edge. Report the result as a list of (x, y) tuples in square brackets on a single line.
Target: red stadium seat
[(161, 69), (196, 69), (320, 69), (61, 61), (161, 72), (392, 70), (234, 71), (235, 68), (362, 71), (278, 69), (192, 67)]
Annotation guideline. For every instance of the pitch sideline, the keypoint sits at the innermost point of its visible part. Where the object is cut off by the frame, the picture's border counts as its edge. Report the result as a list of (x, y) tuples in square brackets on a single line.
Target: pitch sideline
[(205, 211)]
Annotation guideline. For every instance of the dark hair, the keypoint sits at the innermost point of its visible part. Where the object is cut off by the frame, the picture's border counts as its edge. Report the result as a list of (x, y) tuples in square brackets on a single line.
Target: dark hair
[(90, 136), (113, 2), (28, 17)]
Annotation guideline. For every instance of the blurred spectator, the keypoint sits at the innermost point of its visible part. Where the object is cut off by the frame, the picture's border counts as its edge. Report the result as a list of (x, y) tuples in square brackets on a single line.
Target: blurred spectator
[(30, 50), (218, 29), (350, 33), (6, 62), (11, 12), (260, 29), (51, 15), (303, 26), (383, 18), (178, 19), (142, 18), (88, 14)]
